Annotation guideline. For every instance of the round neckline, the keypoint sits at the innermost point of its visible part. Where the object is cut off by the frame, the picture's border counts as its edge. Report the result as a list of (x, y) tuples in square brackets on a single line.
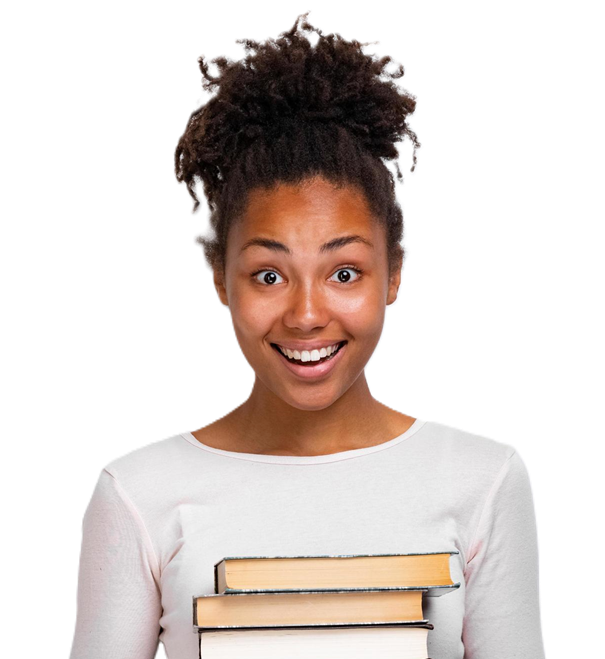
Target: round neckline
[(306, 459)]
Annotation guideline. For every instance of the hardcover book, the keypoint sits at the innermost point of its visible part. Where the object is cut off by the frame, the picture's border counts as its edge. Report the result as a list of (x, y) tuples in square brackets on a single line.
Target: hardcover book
[(342, 606)]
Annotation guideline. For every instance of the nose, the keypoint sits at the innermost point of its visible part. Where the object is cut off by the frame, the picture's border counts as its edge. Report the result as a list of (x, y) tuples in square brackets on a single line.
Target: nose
[(306, 308)]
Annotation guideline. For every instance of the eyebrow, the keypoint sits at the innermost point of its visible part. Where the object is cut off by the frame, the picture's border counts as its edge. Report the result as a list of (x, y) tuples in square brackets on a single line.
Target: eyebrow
[(330, 246)]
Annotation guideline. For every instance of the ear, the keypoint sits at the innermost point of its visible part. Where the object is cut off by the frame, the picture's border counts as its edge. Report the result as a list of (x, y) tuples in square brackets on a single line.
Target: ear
[(394, 282), (219, 284)]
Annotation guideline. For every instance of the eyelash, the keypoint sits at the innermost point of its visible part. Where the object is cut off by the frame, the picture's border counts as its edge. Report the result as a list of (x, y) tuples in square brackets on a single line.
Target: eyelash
[(359, 272)]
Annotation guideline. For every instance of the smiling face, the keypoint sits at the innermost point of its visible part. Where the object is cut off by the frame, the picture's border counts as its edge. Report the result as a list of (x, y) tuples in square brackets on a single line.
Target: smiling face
[(306, 268)]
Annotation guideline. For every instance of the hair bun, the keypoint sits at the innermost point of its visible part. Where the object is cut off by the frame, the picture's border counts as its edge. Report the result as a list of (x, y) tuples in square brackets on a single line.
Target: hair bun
[(289, 111)]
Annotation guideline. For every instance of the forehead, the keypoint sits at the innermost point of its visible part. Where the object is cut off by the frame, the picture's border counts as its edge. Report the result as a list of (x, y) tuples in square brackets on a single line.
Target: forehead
[(308, 211)]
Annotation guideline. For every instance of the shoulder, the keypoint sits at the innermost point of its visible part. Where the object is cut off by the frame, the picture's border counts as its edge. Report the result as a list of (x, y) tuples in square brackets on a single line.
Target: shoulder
[(149, 467), (470, 454)]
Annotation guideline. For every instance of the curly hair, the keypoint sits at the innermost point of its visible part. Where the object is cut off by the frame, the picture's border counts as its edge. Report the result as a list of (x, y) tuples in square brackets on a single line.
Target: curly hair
[(290, 111)]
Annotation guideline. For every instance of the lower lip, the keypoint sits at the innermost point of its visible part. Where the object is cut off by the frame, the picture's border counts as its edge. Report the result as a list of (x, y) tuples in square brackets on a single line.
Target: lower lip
[(311, 372)]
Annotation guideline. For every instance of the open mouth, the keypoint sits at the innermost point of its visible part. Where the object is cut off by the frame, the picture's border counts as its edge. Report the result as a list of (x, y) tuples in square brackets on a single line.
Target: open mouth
[(310, 362)]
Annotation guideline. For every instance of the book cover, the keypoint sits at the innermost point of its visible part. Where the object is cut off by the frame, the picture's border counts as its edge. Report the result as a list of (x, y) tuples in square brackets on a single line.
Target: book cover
[(310, 577)]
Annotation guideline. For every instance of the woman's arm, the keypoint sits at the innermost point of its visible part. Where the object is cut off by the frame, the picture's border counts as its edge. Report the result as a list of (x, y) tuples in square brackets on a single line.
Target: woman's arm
[(502, 609), (119, 604)]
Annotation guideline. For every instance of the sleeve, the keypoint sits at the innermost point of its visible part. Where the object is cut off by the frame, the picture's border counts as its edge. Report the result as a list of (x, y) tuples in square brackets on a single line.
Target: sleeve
[(502, 608), (118, 600)]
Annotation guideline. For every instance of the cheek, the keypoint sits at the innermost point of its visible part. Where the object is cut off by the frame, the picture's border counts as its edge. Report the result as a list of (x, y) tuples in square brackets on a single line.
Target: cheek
[(350, 304), (362, 314), (252, 317)]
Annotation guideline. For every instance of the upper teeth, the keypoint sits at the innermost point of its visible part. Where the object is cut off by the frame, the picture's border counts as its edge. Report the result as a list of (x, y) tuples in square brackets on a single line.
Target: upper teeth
[(309, 356)]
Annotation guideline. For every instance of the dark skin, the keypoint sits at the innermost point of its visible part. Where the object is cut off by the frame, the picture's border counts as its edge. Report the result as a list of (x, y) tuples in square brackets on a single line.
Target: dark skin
[(307, 301)]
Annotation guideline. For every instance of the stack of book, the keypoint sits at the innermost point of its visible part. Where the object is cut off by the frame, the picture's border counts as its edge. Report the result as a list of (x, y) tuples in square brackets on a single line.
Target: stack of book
[(360, 606)]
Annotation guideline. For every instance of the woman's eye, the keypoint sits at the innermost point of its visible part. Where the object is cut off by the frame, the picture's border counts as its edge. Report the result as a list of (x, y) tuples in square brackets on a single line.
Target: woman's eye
[(272, 281), (355, 270), (258, 272)]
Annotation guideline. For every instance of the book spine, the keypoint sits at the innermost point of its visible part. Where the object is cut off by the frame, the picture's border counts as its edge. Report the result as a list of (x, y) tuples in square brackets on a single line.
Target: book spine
[(200, 629), (415, 553), (431, 591)]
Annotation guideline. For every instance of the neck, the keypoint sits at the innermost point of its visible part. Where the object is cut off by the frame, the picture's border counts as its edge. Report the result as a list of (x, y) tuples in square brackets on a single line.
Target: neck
[(267, 424)]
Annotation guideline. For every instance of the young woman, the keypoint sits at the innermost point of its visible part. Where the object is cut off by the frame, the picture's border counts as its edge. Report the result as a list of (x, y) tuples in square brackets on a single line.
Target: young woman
[(306, 255)]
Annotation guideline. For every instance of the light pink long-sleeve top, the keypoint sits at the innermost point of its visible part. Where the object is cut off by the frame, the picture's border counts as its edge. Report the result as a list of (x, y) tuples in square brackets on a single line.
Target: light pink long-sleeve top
[(161, 516)]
